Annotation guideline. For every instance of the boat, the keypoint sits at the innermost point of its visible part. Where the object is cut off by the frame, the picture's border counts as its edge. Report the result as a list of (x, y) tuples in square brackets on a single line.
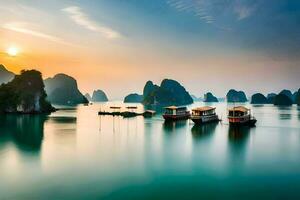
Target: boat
[(173, 113), (240, 115), (205, 114), (149, 113)]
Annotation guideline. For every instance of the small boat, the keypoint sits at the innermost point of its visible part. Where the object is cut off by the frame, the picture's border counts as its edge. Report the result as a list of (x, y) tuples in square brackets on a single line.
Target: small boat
[(115, 107), (205, 114), (131, 107), (240, 116), (149, 113), (173, 113)]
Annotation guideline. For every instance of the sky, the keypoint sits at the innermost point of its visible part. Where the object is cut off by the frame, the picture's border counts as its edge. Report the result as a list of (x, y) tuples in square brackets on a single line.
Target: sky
[(117, 45)]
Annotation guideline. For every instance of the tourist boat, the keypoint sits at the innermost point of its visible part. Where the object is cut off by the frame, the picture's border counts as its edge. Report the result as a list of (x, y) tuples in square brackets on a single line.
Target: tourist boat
[(241, 115), (204, 114), (174, 113)]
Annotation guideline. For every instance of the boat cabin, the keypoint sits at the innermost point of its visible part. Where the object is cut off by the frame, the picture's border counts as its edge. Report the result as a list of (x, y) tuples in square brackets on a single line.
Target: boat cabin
[(174, 110), (239, 111), (204, 111)]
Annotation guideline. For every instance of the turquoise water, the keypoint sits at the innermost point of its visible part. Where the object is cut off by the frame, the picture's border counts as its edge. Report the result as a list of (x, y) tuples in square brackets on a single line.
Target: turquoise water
[(75, 154)]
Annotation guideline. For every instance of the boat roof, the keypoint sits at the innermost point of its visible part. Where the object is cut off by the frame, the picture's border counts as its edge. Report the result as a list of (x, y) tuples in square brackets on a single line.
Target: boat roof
[(239, 108), (175, 107), (115, 107), (149, 111), (204, 108), (131, 107)]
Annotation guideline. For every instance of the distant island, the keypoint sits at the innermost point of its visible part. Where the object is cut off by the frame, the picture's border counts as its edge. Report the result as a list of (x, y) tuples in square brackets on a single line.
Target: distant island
[(297, 99), (236, 96), (259, 98), (209, 97), (25, 94), (5, 75), (284, 98), (99, 96), (88, 97), (170, 92), (63, 90), (133, 98)]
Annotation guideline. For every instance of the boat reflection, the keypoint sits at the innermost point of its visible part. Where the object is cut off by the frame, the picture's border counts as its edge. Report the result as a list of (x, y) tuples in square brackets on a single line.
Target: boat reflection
[(171, 126), (204, 130), (238, 134), (26, 131)]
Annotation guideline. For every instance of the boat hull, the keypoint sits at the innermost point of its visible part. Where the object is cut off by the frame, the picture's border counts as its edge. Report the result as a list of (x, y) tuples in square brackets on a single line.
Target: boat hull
[(250, 122), (176, 117), (205, 120)]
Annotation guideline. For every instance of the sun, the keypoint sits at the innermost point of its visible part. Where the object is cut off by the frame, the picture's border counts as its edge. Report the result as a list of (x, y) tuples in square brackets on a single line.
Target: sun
[(12, 51)]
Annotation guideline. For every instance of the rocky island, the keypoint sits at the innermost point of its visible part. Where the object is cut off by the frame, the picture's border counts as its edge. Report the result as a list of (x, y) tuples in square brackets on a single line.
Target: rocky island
[(133, 98), (236, 96), (88, 97), (170, 92), (282, 100), (297, 99), (259, 98), (25, 94), (5, 75), (63, 90), (99, 96), (209, 97)]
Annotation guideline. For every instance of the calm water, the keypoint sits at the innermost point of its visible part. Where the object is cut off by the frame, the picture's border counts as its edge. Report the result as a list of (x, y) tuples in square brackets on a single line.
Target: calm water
[(75, 154)]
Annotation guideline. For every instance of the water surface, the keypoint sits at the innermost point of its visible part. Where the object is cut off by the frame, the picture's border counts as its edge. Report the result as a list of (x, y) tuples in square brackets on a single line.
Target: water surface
[(76, 154)]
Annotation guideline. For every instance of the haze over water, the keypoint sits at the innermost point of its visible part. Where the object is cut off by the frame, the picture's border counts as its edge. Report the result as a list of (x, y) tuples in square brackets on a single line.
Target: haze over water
[(75, 154)]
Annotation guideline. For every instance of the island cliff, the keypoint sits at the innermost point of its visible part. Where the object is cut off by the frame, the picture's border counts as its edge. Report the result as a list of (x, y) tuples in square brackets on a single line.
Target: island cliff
[(99, 96), (25, 94), (5, 75), (259, 98), (133, 98), (63, 90), (170, 92), (209, 97), (236, 96), (297, 99)]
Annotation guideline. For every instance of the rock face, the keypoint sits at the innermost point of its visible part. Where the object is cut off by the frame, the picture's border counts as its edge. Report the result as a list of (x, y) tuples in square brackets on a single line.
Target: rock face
[(271, 97), (25, 94), (209, 97), (99, 96), (236, 96), (282, 100), (288, 93), (149, 88), (5, 75), (170, 92), (133, 98), (62, 89), (259, 98), (88, 97), (297, 99)]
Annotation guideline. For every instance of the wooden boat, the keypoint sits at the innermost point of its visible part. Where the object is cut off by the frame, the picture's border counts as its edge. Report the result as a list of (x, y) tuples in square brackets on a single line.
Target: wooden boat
[(174, 113), (241, 115), (205, 114), (149, 113)]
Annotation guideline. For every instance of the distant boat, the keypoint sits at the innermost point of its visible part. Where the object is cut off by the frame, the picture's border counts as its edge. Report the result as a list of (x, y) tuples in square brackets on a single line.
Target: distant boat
[(115, 107), (204, 114), (241, 115), (149, 113), (173, 113), (131, 107)]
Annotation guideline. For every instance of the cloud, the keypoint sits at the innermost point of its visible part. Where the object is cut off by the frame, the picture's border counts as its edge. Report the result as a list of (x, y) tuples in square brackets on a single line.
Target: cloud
[(199, 8), (26, 28), (80, 18), (243, 11)]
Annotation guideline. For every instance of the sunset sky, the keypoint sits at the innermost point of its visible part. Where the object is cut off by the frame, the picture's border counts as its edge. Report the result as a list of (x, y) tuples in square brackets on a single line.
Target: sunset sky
[(117, 45)]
